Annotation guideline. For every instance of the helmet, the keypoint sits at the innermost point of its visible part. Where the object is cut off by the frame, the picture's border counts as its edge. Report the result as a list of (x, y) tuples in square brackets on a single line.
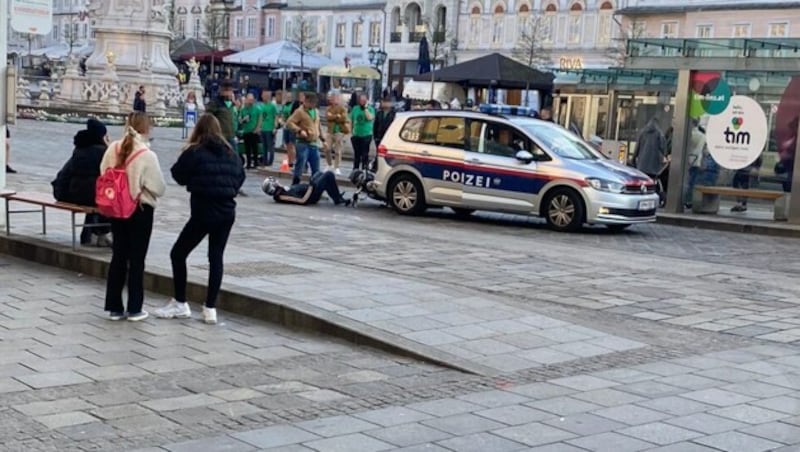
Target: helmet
[(358, 177), (270, 186)]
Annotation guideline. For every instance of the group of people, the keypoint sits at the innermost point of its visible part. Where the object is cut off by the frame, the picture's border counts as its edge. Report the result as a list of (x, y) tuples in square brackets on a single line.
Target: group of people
[(298, 121), (210, 170)]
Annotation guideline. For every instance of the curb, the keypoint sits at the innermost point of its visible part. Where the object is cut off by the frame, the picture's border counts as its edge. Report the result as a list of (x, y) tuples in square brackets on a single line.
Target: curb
[(243, 301), (726, 225)]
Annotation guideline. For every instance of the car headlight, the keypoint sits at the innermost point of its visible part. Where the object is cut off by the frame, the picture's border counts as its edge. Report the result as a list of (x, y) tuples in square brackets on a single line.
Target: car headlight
[(605, 185)]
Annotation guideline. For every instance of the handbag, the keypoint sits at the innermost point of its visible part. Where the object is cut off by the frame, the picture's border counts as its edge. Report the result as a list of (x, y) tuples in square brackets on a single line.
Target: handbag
[(279, 138)]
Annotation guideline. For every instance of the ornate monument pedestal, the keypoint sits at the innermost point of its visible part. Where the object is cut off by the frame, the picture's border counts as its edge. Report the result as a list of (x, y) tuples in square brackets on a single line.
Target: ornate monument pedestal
[(135, 33)]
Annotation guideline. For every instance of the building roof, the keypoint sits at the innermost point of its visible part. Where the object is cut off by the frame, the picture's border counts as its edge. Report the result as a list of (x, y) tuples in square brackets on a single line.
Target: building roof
[(704, 6)]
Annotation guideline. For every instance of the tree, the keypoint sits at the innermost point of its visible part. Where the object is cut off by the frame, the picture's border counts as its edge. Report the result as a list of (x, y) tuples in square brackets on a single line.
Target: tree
[(441, 42), (304, 35), (618, 51), (530, 49), (71, 34), (216, 32)]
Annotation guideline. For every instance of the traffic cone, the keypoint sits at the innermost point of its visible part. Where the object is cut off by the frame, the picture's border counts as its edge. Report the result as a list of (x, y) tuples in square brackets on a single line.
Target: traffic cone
[(284, 166)]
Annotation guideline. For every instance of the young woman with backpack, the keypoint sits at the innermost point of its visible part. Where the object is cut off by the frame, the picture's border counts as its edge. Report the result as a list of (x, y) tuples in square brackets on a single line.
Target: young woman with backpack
[(145, 182), (211, 171)]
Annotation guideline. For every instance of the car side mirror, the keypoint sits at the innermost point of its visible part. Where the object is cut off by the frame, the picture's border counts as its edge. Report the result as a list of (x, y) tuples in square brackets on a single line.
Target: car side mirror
[(524, 157)]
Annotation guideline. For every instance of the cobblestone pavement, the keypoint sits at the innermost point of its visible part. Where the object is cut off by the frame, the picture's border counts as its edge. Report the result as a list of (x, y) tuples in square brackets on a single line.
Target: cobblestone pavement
[(662, 336)]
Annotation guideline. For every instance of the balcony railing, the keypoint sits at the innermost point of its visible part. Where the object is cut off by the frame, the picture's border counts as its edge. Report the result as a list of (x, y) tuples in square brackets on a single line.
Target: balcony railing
[(396, 37)]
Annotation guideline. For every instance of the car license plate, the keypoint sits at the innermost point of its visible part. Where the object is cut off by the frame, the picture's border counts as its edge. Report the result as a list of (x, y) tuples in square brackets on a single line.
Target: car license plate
[(647, 205)]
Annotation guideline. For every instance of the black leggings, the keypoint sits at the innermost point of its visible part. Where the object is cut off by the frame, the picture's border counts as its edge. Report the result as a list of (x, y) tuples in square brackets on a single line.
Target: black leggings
[(192, 234), (251, 149), (129, 249), (361, 151)]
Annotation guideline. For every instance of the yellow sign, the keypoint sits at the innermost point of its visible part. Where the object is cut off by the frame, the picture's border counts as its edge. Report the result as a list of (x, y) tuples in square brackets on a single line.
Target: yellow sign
[(570, 63)]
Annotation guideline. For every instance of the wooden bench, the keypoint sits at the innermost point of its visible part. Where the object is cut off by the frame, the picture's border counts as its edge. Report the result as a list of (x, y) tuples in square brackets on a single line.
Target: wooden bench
[(43, 201), (706, 199)]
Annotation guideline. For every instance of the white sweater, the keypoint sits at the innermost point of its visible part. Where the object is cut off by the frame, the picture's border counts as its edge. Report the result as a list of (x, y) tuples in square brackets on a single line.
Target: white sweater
[(144, 172)]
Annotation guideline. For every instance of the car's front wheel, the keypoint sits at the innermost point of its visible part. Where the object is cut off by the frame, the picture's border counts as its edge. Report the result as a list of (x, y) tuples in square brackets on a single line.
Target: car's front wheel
[(563, 210), (406, 195)]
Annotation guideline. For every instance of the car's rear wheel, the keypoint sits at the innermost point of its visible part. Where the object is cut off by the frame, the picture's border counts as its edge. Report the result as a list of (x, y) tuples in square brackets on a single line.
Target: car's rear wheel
[(463, 212), (563, 210), (617, 227), (406, 195)]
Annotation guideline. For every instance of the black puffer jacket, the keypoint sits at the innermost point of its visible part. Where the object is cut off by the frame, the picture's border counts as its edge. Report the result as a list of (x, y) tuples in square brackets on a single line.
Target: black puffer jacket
[(213, 174), (77, 180)]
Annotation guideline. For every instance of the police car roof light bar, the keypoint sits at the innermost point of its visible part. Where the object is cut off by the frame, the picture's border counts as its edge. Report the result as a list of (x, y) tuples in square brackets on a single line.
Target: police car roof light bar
[(510, 110)]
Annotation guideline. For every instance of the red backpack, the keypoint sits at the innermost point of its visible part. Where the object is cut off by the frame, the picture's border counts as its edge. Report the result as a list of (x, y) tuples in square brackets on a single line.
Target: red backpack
[(112, 193)]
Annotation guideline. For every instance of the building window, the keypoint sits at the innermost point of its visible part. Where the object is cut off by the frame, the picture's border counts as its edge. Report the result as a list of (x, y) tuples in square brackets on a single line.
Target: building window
[(575, 24), (705, 31), (181, 31), (474, 25), (251, 27), (198, 28), (778, 30), (238, 27), (85, 31), (271, 27), (741, 30), (341, 34), (669, 30), (55, 32), (374, 34), (358, 34), (287, 30), (498, 20), (604, 23), (549, 24)]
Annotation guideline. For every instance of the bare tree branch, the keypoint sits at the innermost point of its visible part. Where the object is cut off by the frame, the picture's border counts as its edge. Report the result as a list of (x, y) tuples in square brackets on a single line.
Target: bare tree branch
[(304, 34), (530, 48), (618, 51)]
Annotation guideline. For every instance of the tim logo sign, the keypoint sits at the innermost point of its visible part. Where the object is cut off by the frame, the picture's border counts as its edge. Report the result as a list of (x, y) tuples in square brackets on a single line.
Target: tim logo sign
[(737, 136)]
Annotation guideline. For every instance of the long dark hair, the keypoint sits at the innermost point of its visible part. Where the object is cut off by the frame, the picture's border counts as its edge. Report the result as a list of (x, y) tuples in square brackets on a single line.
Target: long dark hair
[(207, 131)]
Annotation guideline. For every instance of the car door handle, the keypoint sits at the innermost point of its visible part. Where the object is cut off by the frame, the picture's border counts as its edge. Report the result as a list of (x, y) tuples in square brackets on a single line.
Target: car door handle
[(475, 161), (425, 153)]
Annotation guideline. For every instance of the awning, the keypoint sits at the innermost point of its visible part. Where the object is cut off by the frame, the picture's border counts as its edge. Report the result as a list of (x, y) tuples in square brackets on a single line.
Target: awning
[(206, 57), (355, 72), (495, 70), (278, 54)]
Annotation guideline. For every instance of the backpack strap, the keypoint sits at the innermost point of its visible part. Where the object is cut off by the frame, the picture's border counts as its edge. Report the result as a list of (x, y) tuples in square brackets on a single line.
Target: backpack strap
[(133, 156)]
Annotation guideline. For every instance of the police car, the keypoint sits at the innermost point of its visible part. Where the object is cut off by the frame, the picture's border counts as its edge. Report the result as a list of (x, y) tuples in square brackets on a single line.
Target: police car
[(502, 159)]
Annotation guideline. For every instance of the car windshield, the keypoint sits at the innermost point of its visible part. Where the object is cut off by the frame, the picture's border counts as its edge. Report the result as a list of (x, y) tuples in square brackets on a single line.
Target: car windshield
[(558, 140)]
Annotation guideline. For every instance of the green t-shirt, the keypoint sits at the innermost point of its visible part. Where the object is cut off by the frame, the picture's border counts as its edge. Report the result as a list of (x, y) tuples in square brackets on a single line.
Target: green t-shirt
[(253, 112), (361, 126), (286, 111), (268, 113)]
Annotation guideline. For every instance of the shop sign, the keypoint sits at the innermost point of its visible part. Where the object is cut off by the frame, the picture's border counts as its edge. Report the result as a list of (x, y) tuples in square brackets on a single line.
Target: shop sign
[(570, 63), (32, 16), (737, 136)]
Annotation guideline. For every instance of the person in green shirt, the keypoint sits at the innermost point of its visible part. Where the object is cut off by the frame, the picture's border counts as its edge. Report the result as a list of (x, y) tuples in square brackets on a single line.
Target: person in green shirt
[(269, 118), (362, 117), (249, 122)]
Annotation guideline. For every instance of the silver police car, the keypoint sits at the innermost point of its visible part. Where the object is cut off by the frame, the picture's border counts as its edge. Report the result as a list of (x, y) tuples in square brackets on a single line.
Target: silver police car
[(474, 161)]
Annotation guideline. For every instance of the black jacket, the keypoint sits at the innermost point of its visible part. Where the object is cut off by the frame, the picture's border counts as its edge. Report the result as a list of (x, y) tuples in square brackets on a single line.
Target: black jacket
[(383, 120), (139, 103), (213, 174), (76, 181)]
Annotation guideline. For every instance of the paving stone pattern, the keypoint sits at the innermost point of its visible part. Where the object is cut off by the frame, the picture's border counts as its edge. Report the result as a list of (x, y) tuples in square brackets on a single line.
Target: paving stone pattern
[(659, 339)]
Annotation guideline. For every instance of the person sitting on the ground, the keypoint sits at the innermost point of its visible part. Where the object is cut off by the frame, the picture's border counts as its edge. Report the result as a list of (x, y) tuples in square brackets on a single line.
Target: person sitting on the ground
[(76, 181), (306, 194)]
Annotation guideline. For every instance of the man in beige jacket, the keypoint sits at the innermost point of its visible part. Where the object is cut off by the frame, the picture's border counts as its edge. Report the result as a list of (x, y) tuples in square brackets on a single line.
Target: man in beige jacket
[(306, 124)]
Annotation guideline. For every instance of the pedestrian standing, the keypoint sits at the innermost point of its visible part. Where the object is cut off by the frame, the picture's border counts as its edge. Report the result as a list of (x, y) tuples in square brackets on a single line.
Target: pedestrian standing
[(383, 119), (250, 123), (289, 107), (651, 151), (305, 123), (211, 172), (338, 127), (132, 235), (269, 121), (362, 117), (139, 102)]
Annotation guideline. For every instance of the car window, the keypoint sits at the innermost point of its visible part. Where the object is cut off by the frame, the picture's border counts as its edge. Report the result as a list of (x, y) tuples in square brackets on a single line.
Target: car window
[(558, 140), (440, 131), (504, 140)]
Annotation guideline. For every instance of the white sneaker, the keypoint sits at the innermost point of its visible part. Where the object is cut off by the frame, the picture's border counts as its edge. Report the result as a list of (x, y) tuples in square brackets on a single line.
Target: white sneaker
[(338, 172), (210, 315), (104, 241), (174, 310), (138, 317)]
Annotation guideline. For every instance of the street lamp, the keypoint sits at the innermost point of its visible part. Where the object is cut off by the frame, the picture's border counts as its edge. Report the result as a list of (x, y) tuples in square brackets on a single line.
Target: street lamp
[(376, 58)]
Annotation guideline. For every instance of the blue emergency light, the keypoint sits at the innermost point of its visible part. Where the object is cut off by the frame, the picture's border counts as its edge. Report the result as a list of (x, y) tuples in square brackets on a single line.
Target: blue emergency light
[(510, 110)]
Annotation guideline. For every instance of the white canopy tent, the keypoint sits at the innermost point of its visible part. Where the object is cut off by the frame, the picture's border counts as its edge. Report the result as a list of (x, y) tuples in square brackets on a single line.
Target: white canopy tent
[(278, 54), (60, 50)]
